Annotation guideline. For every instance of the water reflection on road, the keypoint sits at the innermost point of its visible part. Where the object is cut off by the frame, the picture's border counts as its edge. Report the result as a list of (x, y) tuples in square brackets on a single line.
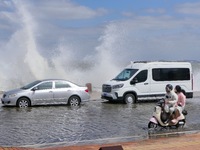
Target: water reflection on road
[(92, 121)]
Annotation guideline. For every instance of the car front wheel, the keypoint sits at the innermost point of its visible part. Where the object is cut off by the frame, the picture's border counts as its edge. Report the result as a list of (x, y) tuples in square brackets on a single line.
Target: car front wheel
[(23, 103), (74, 101)]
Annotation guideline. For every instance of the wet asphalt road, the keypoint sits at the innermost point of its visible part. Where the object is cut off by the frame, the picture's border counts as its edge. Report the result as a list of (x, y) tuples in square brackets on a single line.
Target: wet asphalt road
[(93, 122)]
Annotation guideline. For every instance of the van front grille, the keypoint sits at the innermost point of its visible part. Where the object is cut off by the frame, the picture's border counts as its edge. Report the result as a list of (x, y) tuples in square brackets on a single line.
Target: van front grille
[(106, 88)]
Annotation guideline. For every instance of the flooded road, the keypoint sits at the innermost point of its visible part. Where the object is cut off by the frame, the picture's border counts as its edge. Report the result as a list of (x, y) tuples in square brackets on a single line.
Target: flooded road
[(93, 122)]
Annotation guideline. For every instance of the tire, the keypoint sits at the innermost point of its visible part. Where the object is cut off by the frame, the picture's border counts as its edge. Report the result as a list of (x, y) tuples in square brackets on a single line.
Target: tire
[(152, 125), (180, 125), (129, 99), (74, 101), (23, 103)]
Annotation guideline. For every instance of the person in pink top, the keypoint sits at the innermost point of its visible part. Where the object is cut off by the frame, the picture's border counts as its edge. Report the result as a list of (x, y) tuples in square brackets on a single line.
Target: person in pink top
[(180, 104)]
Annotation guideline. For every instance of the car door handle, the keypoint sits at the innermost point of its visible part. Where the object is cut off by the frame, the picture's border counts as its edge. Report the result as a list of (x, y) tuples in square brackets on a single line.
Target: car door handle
[(146, 83)]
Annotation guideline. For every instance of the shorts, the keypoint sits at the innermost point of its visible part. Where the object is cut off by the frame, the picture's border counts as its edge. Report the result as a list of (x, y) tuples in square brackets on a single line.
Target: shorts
[(169, 109), (179, 108)]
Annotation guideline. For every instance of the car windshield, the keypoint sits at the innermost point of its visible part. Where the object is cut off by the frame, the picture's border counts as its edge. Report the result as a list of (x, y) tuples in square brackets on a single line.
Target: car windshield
[(28, 86), (125, 74)]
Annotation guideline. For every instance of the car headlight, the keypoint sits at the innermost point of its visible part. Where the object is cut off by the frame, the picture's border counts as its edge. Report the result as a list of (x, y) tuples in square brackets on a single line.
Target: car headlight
[(117, 86), (11, 95)]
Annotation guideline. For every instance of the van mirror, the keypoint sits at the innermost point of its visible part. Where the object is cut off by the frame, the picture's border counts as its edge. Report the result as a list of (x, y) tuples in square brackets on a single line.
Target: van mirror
[(134, 81)]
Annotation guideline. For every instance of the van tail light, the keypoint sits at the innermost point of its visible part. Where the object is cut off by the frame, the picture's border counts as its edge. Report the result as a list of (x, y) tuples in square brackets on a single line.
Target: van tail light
[(87, 90)]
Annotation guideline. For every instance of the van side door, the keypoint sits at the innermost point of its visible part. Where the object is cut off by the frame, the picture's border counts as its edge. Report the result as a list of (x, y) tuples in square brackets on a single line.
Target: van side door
[(141, 82)]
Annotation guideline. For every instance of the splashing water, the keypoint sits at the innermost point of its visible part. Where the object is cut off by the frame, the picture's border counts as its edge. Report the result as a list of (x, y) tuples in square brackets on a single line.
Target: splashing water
[(36, 63), (22, 60)]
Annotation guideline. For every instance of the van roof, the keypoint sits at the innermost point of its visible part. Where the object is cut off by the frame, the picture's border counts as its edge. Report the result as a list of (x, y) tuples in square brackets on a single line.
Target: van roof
[(160, 61), (139, 64)]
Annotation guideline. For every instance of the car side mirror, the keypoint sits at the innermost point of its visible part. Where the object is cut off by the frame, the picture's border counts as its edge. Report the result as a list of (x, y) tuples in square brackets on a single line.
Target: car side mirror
[(134, 81), (35, 88)]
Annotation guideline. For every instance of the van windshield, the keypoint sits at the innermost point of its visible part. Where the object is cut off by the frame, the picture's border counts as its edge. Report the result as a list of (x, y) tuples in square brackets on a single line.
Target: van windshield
[(125, 74)]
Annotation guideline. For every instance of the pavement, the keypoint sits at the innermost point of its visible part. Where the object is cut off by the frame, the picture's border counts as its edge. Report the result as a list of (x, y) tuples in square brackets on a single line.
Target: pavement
[(189, 141)]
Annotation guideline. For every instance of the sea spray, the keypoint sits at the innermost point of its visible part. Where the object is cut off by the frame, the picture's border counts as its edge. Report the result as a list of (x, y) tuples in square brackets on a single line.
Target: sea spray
[(36, 63), (25, 57), (30, 64)]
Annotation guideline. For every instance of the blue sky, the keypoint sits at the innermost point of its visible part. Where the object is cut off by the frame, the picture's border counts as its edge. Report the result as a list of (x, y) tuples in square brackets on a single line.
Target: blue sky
[(78, 35)]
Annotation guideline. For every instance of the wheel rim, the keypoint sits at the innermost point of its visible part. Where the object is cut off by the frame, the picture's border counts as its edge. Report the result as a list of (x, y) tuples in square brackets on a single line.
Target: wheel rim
[(74, 102), (152, 125), (23, 103), (129, 100)]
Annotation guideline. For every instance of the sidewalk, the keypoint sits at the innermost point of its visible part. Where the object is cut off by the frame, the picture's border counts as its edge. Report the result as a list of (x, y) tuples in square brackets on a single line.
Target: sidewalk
[(181, 142)]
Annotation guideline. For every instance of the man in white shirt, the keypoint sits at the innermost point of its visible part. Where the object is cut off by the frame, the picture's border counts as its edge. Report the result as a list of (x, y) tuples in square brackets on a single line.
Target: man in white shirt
[(171, 99)]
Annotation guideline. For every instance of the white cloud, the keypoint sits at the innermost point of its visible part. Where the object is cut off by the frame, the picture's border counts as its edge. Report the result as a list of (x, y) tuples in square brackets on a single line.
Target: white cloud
[(66, 10), (156, 11), (189, 8), (128, 14), (5, 3)]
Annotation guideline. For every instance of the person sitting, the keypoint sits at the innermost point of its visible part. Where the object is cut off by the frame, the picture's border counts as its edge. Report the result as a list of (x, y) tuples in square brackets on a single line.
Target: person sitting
[(180, 105), (171, 99)]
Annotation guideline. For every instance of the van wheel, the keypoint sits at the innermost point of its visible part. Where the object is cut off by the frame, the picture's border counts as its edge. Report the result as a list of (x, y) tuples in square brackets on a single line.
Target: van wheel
[(129, 99)]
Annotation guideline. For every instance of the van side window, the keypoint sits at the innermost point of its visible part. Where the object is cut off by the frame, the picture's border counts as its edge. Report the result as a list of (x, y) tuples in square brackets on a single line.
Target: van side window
[(141, 76), (170, 74)]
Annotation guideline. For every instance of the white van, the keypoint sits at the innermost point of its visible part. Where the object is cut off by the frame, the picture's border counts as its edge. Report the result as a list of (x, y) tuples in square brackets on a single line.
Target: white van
[(143, 80)]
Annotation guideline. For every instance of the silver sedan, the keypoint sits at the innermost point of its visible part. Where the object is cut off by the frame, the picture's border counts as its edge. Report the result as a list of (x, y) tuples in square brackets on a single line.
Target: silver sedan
[(44, 92)]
